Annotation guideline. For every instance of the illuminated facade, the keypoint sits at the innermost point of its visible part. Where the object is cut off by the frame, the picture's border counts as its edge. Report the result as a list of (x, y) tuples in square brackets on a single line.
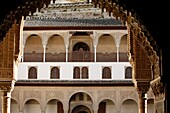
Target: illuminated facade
[(74, 59)]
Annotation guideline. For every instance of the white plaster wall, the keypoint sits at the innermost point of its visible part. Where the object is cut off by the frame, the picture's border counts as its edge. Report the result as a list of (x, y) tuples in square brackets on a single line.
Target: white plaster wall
[(66, 69)]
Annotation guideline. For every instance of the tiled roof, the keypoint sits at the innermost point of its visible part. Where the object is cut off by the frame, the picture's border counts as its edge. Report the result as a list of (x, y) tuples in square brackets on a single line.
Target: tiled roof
[(73, 22)]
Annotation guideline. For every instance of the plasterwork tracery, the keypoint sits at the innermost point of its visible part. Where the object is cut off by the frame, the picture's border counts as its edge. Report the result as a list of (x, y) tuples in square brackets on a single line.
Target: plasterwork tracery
[(128, 94), (32, 94), (54, 94), (15, 95), (107, 94)]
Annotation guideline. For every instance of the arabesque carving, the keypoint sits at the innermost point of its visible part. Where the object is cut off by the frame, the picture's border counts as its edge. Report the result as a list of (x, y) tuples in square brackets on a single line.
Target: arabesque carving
[(158, 89)]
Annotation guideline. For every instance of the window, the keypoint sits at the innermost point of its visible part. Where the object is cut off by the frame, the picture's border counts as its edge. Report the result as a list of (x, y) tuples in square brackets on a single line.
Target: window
[(106, 73), (85, 72), (76, 72), (80, 73), (55, 73), (32, 73), (128, 73)]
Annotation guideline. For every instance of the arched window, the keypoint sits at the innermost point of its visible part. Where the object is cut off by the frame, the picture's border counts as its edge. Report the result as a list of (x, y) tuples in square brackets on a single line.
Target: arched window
[(32, 73), (128, 73), (85, 72), (55, 73), (106, 74), (76, 73)]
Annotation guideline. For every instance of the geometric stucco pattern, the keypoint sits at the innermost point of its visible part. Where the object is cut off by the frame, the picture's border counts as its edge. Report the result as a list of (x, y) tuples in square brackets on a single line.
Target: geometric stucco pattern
[(117, 95)]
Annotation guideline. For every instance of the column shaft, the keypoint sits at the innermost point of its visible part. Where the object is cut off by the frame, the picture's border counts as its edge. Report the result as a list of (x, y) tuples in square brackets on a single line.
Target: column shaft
[(6, 102), (142, 102)]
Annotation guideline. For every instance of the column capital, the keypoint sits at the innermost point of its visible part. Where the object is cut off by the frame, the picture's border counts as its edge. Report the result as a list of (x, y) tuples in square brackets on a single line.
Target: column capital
[(7, 86), (142, 86)]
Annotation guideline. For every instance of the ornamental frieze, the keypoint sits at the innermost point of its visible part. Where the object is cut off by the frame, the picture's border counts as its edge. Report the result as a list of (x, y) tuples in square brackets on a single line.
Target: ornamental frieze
[(54, 95), (128, 94), (32, 94), (6, 73), (107, 94)]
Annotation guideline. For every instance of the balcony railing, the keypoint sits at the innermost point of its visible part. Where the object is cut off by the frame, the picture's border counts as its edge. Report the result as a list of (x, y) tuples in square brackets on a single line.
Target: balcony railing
[(76, 56), (61, 57), (81, 56), (33, 57)]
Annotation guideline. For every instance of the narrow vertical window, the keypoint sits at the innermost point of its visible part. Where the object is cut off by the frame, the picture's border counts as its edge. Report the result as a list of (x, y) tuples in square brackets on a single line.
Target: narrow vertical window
[(76, 73), (85, 73), (55, 73), (32, 73), (106, 74), (128, 73)]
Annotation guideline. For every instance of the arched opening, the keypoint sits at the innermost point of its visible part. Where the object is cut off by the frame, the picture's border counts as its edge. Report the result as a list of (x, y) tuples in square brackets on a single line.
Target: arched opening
[(123, 51), (14, 106), (106, 49), (55, 50), (32, 106), (129, 105), (150, 106), (106, 106), (54, 106), (33, 50), (81, 46), (81, 52), (80, 103), (81, 109), (82, 112)]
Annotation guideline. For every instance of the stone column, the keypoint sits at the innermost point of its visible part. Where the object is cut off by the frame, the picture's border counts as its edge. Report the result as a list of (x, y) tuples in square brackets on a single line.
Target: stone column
[(6, 101), (66, 53), (6, 88), (94, 53), (142, 88), (44, 46)]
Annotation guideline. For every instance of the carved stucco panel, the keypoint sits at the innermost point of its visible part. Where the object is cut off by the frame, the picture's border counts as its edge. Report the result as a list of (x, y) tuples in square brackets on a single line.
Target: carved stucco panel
[(54, 95), (16, 95), (32, 95), (108, 94), (124, 95)]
